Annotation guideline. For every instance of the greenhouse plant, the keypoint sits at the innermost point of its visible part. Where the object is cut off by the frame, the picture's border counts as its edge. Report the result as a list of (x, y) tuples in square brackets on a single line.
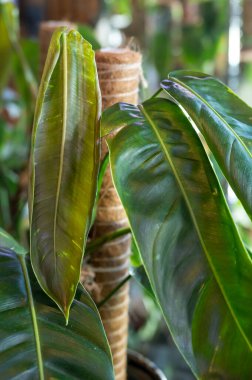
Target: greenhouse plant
[(198, 267)]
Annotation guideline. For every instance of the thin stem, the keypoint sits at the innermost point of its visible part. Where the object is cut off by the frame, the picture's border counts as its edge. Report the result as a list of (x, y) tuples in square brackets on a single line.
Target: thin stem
[(157, 93), (114, 291), (97, 243), (102, 171)]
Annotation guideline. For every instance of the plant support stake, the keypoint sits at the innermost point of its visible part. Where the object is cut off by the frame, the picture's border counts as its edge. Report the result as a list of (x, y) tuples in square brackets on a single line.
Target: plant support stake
[(119, 72)]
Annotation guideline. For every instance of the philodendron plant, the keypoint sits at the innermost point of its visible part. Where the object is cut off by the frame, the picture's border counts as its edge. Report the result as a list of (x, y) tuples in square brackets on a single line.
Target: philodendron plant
[(198, 267)]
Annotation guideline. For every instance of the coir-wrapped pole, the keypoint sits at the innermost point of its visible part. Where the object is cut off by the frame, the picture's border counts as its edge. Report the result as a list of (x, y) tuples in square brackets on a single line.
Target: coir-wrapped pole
[(119, 73)]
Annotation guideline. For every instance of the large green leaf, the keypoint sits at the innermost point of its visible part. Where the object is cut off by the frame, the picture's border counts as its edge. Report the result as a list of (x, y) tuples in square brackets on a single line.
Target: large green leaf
[(64, 161), (224, 120), (197, 265), (35, 343)]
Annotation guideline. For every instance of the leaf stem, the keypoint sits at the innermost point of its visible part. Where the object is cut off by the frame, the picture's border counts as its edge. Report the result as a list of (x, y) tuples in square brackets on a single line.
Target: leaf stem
[(115, 290), (102, 171), (93, 245), (157, 93)]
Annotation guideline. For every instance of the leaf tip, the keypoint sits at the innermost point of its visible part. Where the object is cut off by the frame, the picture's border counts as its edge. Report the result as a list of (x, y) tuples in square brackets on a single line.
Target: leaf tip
[(66, 311)]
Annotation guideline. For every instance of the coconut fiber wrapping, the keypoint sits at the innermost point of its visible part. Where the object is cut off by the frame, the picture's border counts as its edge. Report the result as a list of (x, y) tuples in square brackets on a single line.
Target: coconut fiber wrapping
[(119, 74)]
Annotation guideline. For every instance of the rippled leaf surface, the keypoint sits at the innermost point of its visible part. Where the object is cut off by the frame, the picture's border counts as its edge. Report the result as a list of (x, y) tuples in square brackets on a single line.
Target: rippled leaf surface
[(35, 343), (197, 265), (224, 120), (64, 162)]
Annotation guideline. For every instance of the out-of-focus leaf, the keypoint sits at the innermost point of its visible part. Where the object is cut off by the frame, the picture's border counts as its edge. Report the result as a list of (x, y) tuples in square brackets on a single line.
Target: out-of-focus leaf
[(23, 75), (89, 36), (198, 267), (13, 148), (64, 161), (10, 48), (30, 48), (224, 120), (8, 29), (5, 212), (35, 343), (7, 241)]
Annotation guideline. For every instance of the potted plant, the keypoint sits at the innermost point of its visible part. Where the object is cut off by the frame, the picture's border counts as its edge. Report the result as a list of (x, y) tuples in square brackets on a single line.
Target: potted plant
[(197, 265)]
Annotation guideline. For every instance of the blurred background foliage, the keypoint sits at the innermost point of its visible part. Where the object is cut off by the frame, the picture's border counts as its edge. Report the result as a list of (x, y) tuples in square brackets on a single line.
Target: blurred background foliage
[(214, 36)]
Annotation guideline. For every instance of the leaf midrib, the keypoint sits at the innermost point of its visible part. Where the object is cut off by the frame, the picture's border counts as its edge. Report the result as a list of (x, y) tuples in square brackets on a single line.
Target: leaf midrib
[(62, 148), (33, 317), (166, 153)]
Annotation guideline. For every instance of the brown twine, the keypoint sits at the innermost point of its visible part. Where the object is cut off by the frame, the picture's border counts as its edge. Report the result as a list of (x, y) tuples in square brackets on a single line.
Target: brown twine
[(119, 72)]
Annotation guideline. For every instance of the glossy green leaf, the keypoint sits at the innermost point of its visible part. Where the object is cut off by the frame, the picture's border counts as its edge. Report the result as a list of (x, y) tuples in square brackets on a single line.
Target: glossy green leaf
[(64, 163), (34, 341), (197, 265), (224, 120)]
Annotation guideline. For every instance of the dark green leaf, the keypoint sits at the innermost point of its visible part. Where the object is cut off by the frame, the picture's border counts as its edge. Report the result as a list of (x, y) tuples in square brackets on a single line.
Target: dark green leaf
[(5, 208), (224, 120), (34, 341), (30, 48), (198, 267), (64, 162)]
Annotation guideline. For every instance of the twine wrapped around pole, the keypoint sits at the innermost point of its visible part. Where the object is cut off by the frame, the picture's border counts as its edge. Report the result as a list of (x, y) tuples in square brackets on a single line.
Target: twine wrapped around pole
[(119, 74), (46, 29)]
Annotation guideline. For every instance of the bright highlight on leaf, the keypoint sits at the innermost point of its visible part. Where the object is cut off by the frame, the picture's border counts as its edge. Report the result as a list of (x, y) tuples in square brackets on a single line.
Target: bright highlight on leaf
[(224, 120), (64, 165)]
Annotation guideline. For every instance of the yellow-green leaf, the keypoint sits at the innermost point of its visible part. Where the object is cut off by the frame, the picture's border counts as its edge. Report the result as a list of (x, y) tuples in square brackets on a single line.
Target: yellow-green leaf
[(64, 164)]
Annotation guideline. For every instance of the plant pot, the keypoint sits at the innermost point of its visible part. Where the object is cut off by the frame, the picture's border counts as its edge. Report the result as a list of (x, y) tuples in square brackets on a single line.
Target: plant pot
[(140, 368)]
